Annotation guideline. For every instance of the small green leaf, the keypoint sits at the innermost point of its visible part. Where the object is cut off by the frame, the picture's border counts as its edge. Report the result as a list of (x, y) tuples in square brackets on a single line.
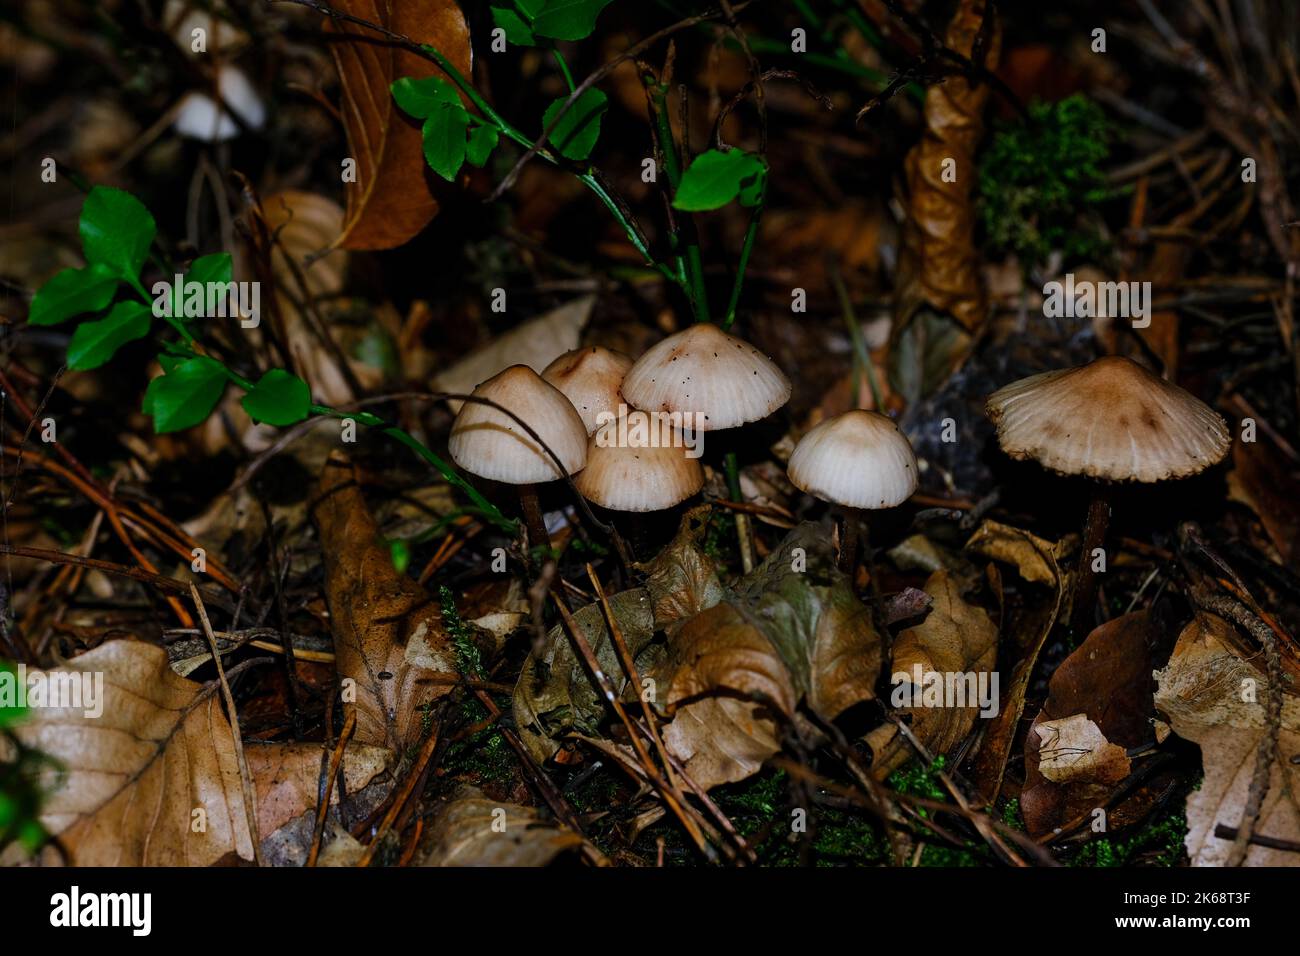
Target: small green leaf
[(186, 394), (400, 552), (94, 343), (444, 140), (716, 178), (214, 268), (576, 134), (279, 398), (116, 230), (568, 19), (72, 292), (482, 140), (517, 29), (420, 97)]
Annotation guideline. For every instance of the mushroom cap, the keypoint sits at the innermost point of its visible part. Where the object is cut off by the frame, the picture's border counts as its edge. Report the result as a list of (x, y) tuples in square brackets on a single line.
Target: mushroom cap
[(639, 475), (723, 380), (590, 379), (492, 445), (860, 459), (199, 117), (1112, 420)]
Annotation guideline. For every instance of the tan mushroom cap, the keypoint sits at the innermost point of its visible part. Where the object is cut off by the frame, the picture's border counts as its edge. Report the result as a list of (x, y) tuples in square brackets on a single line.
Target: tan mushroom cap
[(1112, 420), (723, 380), (860, 459), (590, 379), (492, 445), (640, 475)]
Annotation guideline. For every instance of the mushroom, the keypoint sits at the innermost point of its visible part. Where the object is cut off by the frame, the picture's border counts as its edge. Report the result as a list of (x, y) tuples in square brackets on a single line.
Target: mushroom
[(491, 444), (860, 460), (642, 473), (710, 381), (199, 117), (590, 378), (1110, 421), (719, 380)]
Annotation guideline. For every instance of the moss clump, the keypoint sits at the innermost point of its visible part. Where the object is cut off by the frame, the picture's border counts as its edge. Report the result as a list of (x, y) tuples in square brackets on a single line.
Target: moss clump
[(1040, 183), (469, 659), (1160, 843)]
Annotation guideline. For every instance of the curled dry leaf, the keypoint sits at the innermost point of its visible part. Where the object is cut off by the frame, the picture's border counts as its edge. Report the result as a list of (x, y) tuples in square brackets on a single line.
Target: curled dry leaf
[(128, 782), (388, 635), (682, 579), (1073, 749), (1215, 698), (390, 200), (471, 830), (793, 631), (1037, 559), (1107, 680), (956, 638), (554, 694), (535, 343), (939, 264)]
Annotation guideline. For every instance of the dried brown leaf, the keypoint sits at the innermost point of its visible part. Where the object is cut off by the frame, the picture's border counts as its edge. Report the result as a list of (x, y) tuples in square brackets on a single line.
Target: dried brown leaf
[(471, 830), (391, 199)]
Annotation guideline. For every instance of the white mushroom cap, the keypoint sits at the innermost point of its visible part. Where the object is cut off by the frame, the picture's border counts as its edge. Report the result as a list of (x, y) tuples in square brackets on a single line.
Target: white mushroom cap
[(590, 379), (648, 472), (859, 459), (492, 445), (1111, 419), (199, 117), (724, 381)]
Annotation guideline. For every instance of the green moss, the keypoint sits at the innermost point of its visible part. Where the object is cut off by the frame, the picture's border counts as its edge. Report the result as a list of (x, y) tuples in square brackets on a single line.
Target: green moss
[(469, 659), (1040, 183), (1159, 843)]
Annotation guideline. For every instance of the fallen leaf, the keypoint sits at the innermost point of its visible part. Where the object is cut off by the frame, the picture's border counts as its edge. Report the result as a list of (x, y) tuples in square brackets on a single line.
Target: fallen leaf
[(388, 634), (554, 694), (1073, 749), (1213, 697), (939, 264), (1106, 680), (1260, 482), (682, 579), (957, 638), (390, 200), (1037, 559), (125, 785), (536, 343), (793, 631), (471, 830)]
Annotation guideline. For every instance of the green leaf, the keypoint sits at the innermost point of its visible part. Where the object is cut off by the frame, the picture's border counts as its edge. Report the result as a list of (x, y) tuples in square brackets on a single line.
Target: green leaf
[(214, 268), (72, 292), (716, 178), (185, 395), (576, 134), (568, 19), (444, 140), (94, 343), (116, 230), (279, 398), (482, 140), (517, 29), (420, 97)]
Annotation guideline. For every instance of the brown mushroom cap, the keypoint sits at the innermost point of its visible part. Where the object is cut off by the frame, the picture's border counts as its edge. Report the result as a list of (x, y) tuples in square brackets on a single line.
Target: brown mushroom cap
[(638, 476), (492, 445), (1112, 420), (590, 379), (860, 459), (723, 380)]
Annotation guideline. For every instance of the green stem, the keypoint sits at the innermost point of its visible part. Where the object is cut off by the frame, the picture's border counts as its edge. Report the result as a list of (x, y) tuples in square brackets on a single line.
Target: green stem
[(861, 355), (684, 236), (563, 64), (751, 234)]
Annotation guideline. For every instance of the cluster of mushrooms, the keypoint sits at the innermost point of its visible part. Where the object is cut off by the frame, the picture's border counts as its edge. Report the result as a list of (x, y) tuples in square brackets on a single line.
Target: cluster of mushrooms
[(1111, 421)]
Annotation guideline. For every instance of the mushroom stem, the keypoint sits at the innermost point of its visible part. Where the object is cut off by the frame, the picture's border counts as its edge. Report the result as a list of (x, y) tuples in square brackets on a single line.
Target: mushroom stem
[(849, 540), (537, 536), (1094, 536)]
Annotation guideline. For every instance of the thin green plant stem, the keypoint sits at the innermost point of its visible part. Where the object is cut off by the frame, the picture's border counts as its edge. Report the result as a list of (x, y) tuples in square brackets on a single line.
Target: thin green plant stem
[(746, 248), (861, 355)]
